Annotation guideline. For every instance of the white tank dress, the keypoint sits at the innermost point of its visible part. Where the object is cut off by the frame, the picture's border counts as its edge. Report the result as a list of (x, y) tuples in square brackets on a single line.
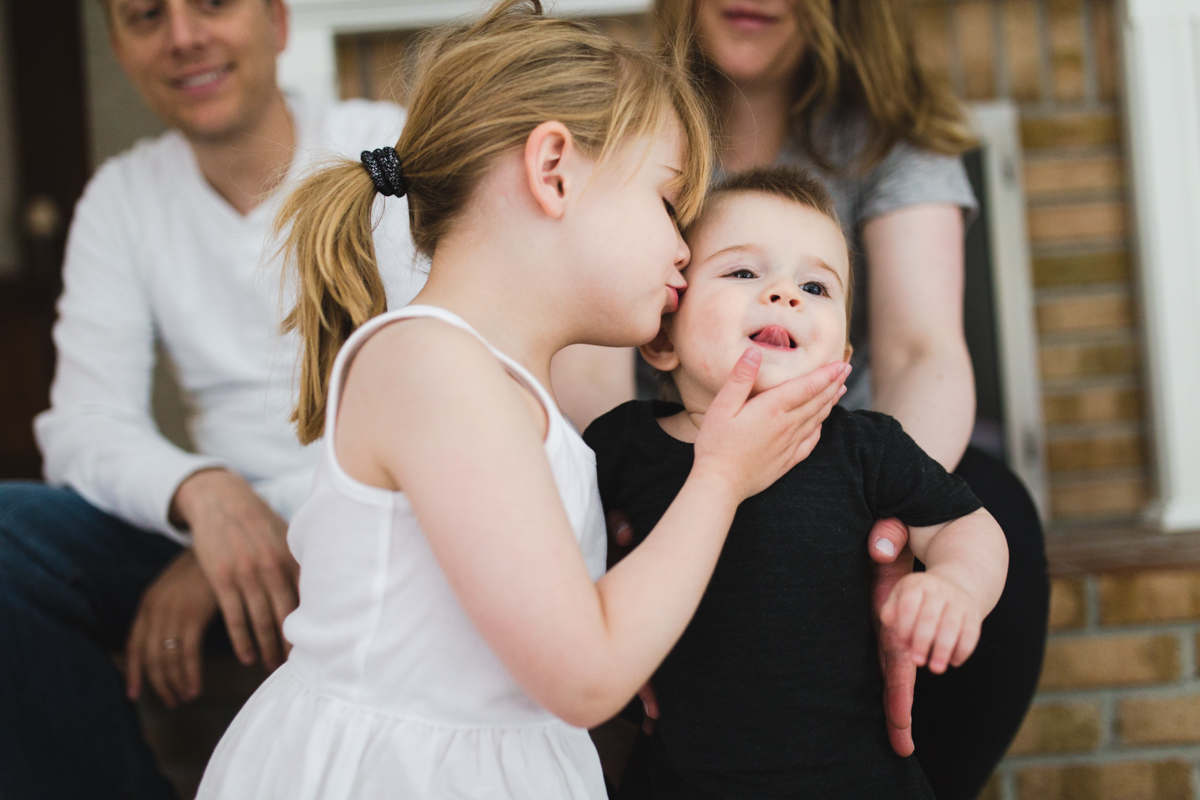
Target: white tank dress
[(389, 691)]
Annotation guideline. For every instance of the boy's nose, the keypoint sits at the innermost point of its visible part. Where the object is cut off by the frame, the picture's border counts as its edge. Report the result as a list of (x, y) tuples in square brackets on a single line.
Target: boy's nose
[(791, 301), (782, 291)]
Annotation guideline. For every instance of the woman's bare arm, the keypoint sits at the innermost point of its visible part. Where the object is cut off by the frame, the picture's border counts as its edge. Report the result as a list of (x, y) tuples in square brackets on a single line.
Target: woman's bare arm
[(920, 368)]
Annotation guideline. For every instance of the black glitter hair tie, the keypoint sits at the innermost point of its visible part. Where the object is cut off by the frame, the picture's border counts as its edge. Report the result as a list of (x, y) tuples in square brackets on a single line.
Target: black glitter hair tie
[(383, 165)]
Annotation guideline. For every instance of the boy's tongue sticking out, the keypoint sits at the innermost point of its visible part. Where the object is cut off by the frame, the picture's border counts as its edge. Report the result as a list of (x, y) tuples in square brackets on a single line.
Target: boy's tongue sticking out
[(774, 336)]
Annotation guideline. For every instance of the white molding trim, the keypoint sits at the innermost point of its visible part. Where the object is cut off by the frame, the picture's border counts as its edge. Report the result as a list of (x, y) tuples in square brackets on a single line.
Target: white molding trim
[(1162, 76), (356, 16), (998, 126), (309, 64)]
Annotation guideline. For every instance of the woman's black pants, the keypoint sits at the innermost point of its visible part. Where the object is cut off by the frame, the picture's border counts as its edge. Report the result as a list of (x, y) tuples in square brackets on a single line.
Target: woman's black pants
[(964, 720)]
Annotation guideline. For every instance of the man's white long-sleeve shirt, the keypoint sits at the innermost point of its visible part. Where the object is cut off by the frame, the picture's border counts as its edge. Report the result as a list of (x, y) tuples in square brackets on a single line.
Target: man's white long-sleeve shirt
[(155, 253)]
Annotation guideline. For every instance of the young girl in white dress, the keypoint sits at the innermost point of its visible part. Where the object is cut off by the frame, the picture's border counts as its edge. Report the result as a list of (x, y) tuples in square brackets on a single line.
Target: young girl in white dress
[(456, 634)]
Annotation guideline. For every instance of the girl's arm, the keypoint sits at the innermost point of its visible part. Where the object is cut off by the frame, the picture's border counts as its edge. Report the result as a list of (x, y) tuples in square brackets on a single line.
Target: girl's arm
[(455, 432), (937, 614), (920, 368)]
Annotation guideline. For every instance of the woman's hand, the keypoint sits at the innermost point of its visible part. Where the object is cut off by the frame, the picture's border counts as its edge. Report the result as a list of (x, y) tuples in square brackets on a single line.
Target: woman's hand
[(751, 443), (887, 545)]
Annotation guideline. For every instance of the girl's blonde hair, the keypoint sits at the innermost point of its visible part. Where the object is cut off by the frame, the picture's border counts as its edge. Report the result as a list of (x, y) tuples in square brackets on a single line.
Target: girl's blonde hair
[(480, 90), (859, 54)]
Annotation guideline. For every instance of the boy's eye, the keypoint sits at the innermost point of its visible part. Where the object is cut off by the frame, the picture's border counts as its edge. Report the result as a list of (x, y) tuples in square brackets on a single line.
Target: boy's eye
[(813, 287), (742, 273)]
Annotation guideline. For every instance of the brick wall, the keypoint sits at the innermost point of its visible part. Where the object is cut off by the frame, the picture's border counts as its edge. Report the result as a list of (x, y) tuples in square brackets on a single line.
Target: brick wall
[(1117, 715), (1058, 60)]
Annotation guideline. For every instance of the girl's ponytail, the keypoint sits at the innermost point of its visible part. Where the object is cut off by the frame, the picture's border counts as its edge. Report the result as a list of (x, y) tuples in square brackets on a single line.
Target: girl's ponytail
[(329, 240), (480, 89)]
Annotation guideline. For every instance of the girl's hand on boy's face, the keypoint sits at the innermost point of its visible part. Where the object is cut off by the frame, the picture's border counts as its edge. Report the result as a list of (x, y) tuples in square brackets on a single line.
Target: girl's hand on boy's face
[(749, 443), (937, 619)]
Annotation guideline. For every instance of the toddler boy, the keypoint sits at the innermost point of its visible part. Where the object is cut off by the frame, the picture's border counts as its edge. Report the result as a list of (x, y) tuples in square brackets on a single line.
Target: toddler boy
[(774, 688)]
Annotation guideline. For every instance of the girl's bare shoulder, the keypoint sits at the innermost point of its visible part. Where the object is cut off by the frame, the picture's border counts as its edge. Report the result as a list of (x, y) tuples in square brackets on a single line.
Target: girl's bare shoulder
[(419, 371)]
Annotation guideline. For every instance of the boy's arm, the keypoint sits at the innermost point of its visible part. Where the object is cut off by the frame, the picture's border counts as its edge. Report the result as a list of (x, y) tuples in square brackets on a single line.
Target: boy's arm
[(938, 613), (970, 550)]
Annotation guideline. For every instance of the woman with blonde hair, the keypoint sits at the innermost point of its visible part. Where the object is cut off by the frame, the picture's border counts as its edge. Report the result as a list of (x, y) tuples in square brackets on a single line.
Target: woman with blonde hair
[(456, 633), (835, 87)]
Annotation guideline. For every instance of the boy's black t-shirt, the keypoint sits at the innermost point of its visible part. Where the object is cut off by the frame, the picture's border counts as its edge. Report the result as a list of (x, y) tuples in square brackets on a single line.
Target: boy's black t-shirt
[(774, 689)]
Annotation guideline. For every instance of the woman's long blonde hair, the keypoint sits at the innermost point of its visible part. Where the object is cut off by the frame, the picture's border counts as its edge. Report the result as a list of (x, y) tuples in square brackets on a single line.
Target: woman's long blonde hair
[(480, 90), (859, 55)]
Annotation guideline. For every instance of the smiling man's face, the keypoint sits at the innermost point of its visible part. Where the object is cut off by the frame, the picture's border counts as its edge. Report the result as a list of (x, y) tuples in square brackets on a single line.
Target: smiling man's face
[(206, 67), (766, 272)]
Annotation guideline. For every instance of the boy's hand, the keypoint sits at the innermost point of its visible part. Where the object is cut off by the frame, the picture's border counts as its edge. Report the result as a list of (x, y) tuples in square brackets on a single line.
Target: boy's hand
[(935, 618)]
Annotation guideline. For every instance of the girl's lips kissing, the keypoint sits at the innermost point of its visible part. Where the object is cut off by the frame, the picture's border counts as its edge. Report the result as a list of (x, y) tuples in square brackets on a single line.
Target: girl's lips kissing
[(673, 294)]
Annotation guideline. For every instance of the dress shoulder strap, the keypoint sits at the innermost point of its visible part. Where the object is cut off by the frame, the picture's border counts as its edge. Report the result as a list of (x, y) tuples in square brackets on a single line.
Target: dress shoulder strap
[(364, 332)]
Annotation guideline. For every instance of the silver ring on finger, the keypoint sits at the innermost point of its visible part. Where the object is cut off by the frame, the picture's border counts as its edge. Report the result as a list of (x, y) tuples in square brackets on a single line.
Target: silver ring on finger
[(170, 644)]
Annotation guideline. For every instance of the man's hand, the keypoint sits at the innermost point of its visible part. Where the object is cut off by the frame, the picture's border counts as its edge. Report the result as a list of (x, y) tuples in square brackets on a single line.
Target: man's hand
[(165, 641), (887, 545), (241, 544)]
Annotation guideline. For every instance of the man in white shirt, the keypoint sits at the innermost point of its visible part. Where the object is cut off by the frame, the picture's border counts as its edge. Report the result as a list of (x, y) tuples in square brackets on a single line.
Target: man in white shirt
[(134, 544)]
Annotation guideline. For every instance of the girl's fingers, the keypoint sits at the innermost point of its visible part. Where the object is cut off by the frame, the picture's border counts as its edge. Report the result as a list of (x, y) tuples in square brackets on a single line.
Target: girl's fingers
[(822, 386), (805, 448), (927, 627), (948, 635), (738, 386)]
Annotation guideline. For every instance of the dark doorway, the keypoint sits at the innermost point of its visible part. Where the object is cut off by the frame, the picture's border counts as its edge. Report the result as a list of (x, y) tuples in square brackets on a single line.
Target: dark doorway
[(44, 57)]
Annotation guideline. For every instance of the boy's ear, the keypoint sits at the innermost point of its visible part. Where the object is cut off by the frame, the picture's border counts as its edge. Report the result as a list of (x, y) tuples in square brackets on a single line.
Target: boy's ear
[(659, 352), (549, 151)]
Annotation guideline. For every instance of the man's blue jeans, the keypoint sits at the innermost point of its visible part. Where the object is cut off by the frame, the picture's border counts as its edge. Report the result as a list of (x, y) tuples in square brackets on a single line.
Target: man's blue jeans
[(71, 577)]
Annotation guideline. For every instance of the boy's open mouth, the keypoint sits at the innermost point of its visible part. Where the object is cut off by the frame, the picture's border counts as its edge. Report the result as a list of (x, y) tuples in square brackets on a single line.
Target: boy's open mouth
[(775, 336)]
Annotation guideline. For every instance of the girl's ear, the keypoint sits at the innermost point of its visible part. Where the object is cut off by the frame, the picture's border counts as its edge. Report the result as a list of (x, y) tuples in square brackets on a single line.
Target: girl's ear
[(659, 352), (548, 150)]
